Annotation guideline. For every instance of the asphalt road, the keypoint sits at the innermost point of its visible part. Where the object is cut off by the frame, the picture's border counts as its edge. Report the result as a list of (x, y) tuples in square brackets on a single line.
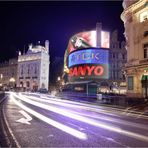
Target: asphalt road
[(37, 120)]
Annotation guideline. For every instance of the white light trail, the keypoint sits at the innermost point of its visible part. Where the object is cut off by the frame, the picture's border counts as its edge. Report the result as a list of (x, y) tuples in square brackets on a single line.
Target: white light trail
[(114, 120), (86, 120), (71, 104), (56, 124)]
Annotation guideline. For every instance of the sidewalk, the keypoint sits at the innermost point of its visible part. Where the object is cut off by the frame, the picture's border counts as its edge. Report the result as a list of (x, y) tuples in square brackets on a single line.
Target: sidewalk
[(3, 141)]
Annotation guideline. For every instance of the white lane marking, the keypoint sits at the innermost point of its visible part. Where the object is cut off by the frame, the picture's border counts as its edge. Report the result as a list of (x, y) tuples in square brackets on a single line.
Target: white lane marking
[(26, 119)]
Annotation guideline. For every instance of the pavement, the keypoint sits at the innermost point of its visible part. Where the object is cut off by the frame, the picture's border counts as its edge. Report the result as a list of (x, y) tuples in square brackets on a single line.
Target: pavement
[(3, 139)]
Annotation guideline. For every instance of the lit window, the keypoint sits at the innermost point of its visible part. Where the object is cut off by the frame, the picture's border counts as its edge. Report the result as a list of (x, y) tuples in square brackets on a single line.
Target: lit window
[(144, 16)]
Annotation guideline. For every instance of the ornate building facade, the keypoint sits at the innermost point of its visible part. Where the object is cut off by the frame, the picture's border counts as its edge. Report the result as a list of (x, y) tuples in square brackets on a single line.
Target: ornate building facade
[(117, 58), (33, 68), (135, 18)]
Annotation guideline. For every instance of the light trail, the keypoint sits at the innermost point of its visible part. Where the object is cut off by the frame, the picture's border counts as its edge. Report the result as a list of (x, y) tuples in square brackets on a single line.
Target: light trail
[(72, 105), (56, 124), (84, 106), (124, 112), (93, 107), (87, 120), (114, 120)]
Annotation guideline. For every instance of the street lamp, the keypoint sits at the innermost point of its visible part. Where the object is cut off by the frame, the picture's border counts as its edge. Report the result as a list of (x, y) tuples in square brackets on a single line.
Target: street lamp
[(1, 77), (59, 78)]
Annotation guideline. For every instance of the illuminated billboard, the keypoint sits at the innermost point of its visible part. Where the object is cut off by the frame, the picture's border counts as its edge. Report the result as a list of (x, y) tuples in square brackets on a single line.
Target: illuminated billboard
[(88, 39), (105, 39), (88, 56), (90, 63)]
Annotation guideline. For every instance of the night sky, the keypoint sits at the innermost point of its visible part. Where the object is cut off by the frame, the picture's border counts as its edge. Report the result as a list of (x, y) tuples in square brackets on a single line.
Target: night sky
[(27, 22)]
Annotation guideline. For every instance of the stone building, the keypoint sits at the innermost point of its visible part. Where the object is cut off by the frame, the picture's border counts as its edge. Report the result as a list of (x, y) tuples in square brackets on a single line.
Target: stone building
[(8, 74), (33, 68), (117, 59), (135, 18)]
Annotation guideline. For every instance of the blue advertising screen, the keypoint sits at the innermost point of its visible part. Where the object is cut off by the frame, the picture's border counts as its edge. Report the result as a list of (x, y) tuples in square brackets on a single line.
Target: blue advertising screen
[(88, 56)]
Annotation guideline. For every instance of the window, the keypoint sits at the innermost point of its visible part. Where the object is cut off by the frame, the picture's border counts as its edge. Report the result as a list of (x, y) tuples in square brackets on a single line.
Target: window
[(144, 16), (123, 56), (28, 69), (145, 50), (22, 70), (28, 84), (120, 56), (145, 33), (130, 83), (35, 69)]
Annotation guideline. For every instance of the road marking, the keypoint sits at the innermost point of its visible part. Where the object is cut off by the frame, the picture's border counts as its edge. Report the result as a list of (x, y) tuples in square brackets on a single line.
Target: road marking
[(26, 119)]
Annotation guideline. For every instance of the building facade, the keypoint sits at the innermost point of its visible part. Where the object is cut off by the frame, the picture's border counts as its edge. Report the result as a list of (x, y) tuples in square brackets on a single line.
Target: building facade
[(135, 18), (117, 59), (8, 74), (33, 68)]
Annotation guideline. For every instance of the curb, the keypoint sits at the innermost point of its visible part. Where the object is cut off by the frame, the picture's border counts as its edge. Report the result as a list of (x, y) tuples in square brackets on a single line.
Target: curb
[(10, 138)]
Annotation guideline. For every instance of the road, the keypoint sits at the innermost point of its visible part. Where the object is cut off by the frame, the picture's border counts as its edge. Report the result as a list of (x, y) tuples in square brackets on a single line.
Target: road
[(39, 120)]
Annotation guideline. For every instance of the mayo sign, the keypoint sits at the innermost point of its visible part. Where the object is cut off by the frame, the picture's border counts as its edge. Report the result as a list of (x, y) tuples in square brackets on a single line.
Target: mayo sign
[(89, 63)]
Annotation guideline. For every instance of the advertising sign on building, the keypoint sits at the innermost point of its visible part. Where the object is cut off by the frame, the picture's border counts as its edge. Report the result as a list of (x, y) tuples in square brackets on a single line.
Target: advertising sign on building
[(87, 39), (89, 63), (86, 56)]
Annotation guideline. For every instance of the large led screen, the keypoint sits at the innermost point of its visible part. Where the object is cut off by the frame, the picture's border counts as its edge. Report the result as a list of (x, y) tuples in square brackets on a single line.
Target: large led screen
[(88, 56), (88, 64), (83, 40), (87, 39)]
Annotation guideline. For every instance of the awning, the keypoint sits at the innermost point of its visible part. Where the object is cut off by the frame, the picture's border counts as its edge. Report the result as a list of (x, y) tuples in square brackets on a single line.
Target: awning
[(80, 82), (144, 77)]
